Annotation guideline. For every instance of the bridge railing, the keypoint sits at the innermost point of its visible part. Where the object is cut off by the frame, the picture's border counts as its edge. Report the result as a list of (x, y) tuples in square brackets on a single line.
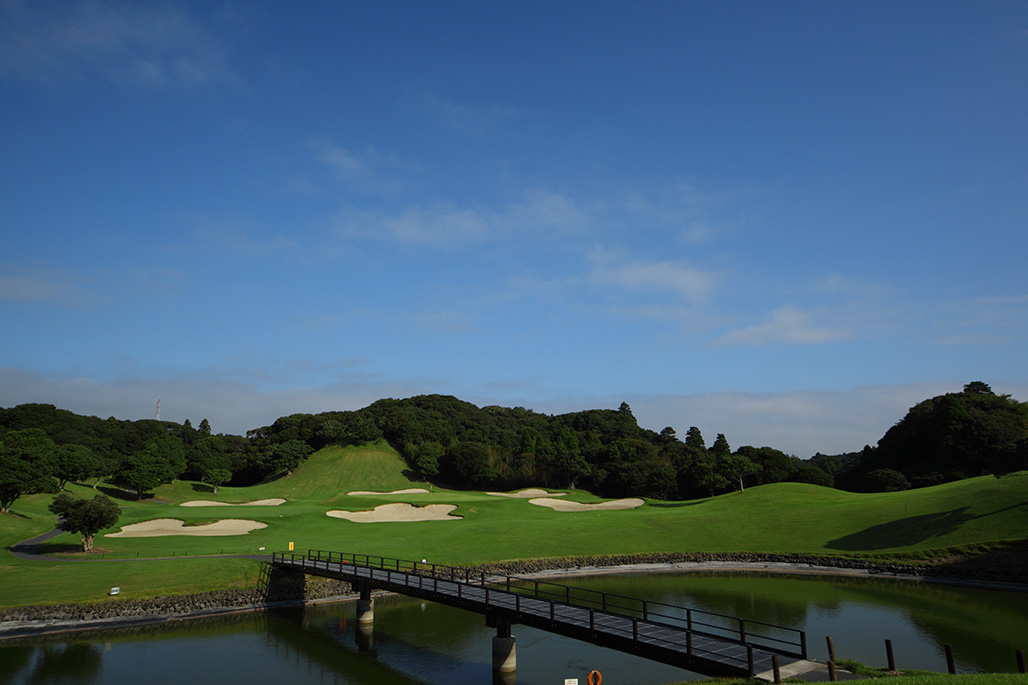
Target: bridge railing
[(750, 632), (745, 631)]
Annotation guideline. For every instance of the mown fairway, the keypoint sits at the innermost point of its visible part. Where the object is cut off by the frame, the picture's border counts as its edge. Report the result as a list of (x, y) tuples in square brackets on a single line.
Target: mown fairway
[(784, 517)]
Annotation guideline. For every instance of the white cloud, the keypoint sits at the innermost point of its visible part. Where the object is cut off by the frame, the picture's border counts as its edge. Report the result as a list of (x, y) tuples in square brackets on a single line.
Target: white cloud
[(788, 324), (685, 281), (147, 44)]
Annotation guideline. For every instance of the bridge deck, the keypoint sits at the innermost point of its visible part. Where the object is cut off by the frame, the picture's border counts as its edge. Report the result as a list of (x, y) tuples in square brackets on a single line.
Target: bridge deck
[(651, 632)]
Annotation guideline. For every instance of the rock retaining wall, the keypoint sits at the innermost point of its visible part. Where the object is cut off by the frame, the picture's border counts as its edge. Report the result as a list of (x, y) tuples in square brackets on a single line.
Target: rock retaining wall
[(274, 587), (940, 570)]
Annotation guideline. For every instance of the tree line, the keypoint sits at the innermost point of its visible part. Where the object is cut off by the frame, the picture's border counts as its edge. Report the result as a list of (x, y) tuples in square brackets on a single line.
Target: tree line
[(459, 445)]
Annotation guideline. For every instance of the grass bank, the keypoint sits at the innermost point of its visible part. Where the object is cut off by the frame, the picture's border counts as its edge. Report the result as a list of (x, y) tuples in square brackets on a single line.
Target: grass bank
[(959, 518)]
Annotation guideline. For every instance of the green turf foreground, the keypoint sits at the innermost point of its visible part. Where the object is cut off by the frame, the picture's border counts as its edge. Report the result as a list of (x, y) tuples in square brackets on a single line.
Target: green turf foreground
[(958, 518), (917, 679)]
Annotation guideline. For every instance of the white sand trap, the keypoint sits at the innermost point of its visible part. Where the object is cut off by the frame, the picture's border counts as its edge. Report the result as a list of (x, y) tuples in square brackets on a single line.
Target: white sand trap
[(162, 527), (273, 502), (530, 492), (408, 491), (399, 511), (565, 505)]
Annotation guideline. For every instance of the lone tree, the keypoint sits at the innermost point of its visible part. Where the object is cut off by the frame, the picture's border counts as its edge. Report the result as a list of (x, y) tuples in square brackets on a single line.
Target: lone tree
[(85, 516), (216, 477)]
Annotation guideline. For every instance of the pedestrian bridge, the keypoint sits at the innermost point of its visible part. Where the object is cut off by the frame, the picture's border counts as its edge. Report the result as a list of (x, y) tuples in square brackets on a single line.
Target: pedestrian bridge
[(699, 641)]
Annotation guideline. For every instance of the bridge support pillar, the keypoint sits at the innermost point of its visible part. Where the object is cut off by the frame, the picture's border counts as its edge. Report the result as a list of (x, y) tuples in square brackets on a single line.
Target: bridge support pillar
[(365, 607), (365, 620), (504, 650)]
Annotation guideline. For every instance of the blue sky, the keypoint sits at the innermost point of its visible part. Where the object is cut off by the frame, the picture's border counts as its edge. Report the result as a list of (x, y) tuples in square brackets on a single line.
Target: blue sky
[(787, 222)]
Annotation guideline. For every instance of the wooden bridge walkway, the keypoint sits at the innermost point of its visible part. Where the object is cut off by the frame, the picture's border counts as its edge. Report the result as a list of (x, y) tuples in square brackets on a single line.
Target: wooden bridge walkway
[(695, 640)]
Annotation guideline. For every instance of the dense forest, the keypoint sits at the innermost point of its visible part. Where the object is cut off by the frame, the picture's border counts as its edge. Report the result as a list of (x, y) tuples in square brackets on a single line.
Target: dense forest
[(459, 445)]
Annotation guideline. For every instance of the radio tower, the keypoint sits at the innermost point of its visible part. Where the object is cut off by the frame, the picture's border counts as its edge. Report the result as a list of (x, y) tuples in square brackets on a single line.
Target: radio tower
[(158, 414)]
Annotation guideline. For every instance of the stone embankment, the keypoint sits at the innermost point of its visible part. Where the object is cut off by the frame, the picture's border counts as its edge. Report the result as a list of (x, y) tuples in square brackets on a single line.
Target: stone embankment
[(963, 571), (275, 589)]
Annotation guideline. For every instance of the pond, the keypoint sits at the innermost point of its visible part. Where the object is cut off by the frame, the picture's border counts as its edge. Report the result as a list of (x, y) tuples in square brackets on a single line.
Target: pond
[(422, 642)]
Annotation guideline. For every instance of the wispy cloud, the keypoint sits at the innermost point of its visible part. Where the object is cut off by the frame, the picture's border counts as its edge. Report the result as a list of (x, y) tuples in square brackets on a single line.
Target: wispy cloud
[(447, 225), (679, 278), (788, 324), (462, 117), (144, 44), (983, 320), (240, 241), (445, 322), (365, 170), (679, 209), (40, 284)]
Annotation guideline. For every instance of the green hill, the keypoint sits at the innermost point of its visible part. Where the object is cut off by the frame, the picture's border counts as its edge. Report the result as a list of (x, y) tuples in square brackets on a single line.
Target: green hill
[(325, 476)]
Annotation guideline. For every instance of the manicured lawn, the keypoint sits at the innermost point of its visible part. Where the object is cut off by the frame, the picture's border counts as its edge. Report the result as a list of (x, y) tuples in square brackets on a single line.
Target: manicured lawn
[(784, 517)]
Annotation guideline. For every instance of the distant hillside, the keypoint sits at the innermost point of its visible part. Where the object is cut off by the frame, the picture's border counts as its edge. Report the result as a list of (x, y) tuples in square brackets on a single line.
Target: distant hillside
[(454, 443)]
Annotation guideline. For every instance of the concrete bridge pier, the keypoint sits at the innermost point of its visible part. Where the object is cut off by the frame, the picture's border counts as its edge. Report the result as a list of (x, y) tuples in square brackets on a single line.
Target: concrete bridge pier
[(365, 606), (365, 620), (505, 662)]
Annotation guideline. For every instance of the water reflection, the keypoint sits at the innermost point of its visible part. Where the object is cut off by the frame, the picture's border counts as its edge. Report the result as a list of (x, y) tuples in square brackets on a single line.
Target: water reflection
[(413, 641)]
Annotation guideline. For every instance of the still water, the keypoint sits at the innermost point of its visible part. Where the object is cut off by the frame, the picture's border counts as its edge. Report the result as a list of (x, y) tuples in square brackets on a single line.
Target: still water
[(421, 642)]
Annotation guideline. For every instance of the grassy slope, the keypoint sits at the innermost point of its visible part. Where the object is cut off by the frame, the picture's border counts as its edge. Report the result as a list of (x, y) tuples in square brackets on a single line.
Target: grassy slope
[(784, 517)]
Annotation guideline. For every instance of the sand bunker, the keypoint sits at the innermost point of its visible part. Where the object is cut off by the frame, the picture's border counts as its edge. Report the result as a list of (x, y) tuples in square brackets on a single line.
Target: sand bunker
[(273, 502), (408, 491), (399, 511), (530, 492), (162, 527), (565, 505)]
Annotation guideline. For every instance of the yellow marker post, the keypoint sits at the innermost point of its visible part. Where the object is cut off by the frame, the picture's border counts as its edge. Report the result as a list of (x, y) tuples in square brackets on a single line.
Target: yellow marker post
[(290, 547)]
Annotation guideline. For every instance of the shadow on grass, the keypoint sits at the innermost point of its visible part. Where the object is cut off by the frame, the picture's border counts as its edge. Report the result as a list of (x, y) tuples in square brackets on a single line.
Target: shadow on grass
[(58, 548), (910, 530), (203, 487), (903, 532), (118, 493)]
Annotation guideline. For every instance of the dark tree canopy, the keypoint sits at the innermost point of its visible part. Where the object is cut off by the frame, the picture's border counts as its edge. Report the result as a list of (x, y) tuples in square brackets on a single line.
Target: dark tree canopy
[(955, 436), (605, 451), (26, 465)]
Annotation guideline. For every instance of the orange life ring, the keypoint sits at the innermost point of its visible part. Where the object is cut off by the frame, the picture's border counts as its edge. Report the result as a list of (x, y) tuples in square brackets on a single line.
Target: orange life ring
[(594, 678)]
